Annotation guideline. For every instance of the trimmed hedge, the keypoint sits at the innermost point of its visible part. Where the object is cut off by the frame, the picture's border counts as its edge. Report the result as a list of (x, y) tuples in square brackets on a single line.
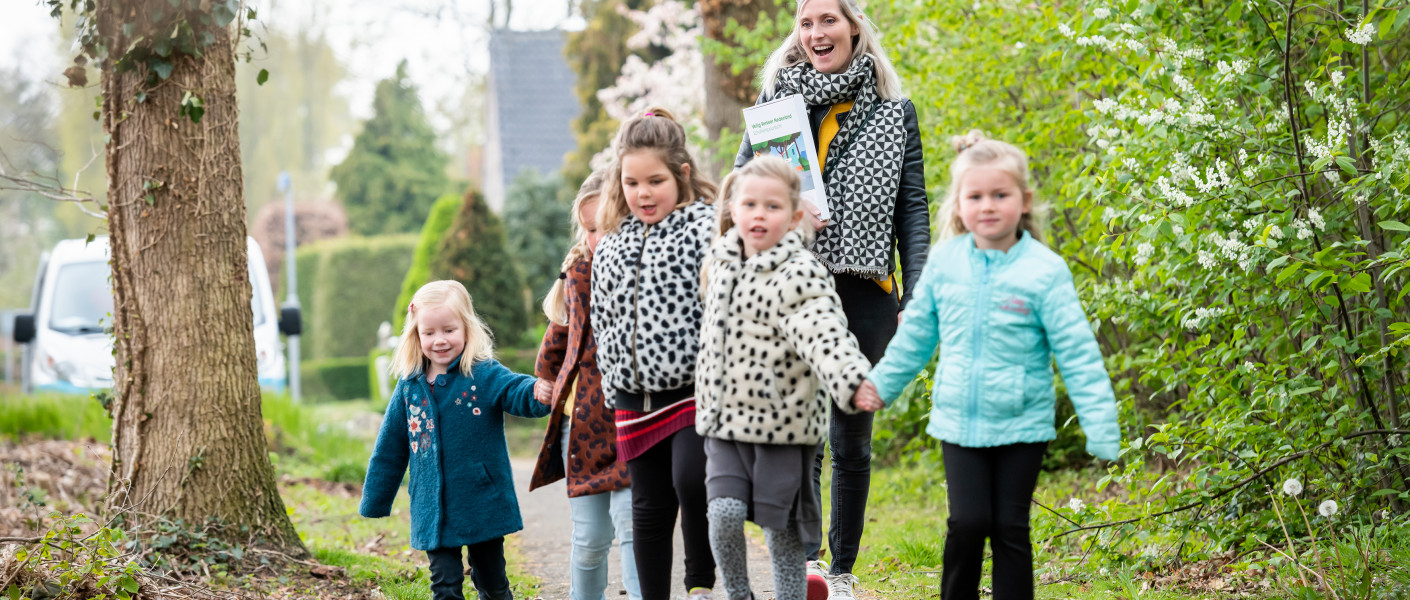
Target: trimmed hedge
[(336, 378), (356, 279), (441, 218)]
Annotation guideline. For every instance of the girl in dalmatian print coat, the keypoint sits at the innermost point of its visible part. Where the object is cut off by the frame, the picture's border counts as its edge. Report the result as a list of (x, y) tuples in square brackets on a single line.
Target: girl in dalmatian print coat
[(656, 222), (774, 349), (446, 421)]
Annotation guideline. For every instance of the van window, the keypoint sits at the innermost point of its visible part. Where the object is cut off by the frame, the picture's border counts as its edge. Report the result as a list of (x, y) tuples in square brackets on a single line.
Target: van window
[(81, 298)]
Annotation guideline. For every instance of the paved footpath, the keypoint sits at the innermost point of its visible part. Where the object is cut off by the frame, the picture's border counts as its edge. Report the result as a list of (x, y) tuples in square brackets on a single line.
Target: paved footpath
[(545, 542)]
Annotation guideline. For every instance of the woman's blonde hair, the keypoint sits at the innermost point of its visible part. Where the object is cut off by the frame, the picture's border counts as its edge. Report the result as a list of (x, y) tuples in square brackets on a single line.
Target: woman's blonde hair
[(479, 342), (555, 305), (977, 150), (867, 41), (655, 130)]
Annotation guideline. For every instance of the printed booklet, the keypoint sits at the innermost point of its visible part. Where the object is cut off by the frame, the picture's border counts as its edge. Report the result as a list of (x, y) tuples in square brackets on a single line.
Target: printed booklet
[(780, 128)]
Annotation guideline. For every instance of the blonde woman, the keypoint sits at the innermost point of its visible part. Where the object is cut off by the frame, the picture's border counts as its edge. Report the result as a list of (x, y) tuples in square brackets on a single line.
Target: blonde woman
[(873, 171)]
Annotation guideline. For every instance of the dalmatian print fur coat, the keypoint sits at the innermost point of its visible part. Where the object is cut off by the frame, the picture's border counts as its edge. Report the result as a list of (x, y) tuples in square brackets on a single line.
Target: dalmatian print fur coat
[(646, 302), (775, 346)]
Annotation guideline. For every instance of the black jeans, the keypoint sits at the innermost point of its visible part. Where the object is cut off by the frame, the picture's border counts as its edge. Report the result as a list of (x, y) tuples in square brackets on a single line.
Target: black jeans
[(871, 317), (487, 571), (667, 478), (990, 492)]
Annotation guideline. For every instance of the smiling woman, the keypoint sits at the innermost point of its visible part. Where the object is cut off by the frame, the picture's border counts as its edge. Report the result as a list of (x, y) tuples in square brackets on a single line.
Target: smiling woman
[(873, 174)]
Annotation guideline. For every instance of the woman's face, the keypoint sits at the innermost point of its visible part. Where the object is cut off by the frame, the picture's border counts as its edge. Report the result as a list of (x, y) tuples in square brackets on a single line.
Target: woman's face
[(826, 35)]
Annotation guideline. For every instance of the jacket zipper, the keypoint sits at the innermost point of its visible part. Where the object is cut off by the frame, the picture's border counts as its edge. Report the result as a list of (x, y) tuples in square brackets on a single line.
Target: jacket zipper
[(978, 346), (636, 322)]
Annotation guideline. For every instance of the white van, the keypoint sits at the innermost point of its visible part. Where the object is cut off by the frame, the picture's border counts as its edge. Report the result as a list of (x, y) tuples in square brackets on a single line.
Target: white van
[(67, 349)]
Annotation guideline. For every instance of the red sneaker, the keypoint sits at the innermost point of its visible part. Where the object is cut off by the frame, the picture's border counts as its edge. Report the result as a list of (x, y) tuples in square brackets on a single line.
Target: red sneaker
[(817, 587)]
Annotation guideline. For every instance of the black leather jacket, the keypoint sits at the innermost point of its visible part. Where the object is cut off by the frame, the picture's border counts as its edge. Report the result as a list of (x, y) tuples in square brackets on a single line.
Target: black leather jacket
[(911, 223)]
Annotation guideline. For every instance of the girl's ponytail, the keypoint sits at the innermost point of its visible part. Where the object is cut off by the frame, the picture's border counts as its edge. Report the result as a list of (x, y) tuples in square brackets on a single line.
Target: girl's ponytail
[(555, 304)]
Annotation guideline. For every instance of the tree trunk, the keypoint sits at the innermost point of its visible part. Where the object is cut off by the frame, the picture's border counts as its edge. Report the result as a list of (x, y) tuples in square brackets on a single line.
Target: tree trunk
[(726, 94), (188, 438)]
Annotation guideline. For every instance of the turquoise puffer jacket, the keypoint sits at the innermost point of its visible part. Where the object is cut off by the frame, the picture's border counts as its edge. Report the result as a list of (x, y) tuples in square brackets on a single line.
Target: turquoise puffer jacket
[(999, 319)]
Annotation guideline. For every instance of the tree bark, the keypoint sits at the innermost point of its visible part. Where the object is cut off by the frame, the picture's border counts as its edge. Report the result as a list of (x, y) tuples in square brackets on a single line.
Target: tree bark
[(188, 437), (726, 94)]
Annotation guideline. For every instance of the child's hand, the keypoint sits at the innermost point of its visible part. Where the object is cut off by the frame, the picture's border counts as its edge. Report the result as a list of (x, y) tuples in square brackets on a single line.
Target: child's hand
[(867, 398), (543, 392)]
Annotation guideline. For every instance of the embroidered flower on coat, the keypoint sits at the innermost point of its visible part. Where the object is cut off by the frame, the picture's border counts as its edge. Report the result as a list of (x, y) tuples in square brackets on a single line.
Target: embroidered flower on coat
[(414, 424), (477, 410), (414, 446)]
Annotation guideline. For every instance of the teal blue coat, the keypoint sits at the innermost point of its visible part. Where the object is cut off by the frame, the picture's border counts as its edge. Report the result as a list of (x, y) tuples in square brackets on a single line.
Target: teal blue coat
[(999, 319), (462, 488)]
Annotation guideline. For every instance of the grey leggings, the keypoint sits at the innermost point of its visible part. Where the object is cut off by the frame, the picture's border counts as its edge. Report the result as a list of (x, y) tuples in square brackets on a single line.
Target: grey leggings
[(727, 517)]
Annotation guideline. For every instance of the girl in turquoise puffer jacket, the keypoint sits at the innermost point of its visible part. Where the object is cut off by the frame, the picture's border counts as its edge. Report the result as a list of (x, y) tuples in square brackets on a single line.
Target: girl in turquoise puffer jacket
[(1001, 306)]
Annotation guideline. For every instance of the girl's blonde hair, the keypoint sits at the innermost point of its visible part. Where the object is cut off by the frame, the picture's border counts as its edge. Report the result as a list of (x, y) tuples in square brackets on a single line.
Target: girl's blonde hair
[(763, 166), (555, 305), (977, 150), (793, 53), (479, 342), (658, 131)]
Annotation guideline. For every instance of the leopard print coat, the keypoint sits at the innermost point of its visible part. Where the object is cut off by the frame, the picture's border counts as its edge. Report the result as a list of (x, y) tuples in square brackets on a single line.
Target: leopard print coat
[(646, 302), (774, 346), (568, 353)]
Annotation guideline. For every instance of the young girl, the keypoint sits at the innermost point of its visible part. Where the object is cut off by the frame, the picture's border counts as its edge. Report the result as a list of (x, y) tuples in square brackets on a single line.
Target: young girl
[(774, 348), (451, 398), (581, 440), (1001, 306), (656, 222)]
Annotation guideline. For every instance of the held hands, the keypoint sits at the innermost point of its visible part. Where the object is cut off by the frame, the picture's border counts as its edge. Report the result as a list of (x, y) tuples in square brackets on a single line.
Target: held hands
[(867, 398), (543, 392)]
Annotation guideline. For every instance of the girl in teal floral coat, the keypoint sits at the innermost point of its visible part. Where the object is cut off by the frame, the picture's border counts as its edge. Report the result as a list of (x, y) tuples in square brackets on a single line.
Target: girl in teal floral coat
[(446, 421)]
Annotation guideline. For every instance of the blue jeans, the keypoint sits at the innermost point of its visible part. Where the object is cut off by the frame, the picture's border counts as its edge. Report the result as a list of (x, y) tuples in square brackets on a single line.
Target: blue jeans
[(598, 518)]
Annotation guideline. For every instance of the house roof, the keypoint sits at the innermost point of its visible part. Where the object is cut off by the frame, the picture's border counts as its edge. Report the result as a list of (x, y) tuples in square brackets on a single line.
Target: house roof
[(534, 99)]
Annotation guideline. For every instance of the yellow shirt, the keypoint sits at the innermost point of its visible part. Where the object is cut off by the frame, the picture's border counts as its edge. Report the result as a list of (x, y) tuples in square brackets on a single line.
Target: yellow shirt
[(572, 394), (826, 132)]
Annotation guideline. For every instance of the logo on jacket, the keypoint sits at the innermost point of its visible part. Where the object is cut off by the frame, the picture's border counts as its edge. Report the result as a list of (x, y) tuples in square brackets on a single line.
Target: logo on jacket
[(1015, 305)]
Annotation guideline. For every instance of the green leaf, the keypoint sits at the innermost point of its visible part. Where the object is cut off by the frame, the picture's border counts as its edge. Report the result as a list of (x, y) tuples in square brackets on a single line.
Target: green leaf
[(263, 75), (1359, 284), (161, 67), (129, 584), (86, 241), (1347, 165), (1394, 226), (1291, 270), (1385, 492)]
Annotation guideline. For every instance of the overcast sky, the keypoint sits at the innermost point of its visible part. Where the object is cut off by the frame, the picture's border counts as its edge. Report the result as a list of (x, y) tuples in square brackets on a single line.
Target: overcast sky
[(442, 39)]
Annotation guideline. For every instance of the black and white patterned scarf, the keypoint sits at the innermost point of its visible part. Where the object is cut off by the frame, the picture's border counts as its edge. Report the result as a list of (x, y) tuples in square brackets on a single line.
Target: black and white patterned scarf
[(863, 168)]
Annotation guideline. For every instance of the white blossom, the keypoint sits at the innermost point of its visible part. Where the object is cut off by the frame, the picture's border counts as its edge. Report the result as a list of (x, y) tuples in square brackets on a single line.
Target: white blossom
[(1019, 45), (1361, 35), (1144, 252), (1076, 504), (1101, 13), (1104, 105), (1292, 487), (1316, 218), (1337, 78), (1327, 508), (1066, 31), (1108, 214)]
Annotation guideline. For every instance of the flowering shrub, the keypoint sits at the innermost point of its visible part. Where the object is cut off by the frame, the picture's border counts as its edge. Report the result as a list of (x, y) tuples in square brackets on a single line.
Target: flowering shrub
[(1229, 183)]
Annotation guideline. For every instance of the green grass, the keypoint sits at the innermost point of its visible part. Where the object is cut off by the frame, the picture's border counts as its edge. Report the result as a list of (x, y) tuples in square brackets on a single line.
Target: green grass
[(329, 525), (53, 416)]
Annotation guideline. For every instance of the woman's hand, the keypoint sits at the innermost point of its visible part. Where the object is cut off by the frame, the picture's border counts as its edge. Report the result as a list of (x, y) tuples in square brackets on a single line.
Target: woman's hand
[(811, 213), (543, 392), (867, 398)]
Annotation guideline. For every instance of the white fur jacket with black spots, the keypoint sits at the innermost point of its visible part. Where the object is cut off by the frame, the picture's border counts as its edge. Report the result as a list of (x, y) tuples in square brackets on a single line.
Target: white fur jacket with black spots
[(646, 305), (774, 346)]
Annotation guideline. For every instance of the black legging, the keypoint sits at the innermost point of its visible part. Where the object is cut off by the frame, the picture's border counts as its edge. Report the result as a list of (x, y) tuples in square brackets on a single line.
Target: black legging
[(670, 476), (990, 491), (871, 316)]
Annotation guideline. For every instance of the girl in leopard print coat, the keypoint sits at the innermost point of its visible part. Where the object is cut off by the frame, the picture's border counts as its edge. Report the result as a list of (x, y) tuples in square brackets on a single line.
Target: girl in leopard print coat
[(774, 348)]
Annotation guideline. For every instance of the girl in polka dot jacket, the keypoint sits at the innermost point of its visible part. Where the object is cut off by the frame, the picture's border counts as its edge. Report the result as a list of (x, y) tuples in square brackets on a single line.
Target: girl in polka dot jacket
[(774, 348)]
